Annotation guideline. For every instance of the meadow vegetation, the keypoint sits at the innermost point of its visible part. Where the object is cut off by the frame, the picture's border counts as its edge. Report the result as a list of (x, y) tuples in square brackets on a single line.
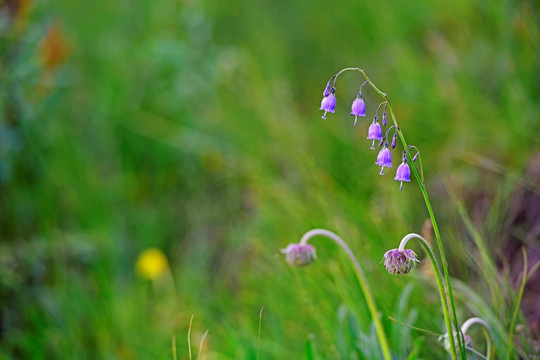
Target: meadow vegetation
[(156, 155)]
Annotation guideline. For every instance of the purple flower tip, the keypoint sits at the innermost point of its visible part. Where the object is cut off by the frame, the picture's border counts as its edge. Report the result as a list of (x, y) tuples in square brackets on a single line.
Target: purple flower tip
[(384, 118), (326, 91), (398, 262), (375, 131), (328, 104), (299, 255), (384, 159), (358, 107)]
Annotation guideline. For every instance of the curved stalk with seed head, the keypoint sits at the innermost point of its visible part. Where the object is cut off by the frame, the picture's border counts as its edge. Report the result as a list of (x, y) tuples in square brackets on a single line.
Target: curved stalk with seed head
[(362, 280), (438, 275)]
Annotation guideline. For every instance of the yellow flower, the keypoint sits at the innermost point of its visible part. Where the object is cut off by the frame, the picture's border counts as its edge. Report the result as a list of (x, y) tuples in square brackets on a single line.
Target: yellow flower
[(151, 264)]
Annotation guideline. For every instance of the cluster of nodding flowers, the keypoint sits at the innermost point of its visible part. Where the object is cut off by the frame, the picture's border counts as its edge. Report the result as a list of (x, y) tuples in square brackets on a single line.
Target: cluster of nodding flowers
[(375, 131), (398, 261)]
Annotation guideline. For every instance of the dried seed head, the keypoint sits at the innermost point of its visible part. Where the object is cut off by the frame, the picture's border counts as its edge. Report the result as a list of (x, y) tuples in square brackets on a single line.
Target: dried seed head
[(467, 340), (299, 255), (398, 262)]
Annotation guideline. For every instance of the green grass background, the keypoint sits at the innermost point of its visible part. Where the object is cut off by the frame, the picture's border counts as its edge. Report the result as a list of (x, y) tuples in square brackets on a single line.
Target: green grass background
[(193, 126)]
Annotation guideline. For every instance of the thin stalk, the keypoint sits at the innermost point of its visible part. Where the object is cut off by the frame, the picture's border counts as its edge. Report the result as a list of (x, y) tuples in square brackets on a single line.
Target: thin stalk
[(442, 292), (189, 336), (174, 347), (259, 339), (202, 343), (381, 335), (426, 200), (516, 307)]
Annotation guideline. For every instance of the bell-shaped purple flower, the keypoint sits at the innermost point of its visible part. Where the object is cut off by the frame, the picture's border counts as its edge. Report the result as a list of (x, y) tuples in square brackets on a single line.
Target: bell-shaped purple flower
[(358, 108), (328, 103), (384, 118), (403, 173), (374, 132), (384, 159), (299, 255), (399, 262)]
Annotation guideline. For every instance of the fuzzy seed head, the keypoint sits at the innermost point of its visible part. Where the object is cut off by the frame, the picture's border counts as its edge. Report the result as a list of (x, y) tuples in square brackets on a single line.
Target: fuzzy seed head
[(446, 342), (398, 262), (299, 255)]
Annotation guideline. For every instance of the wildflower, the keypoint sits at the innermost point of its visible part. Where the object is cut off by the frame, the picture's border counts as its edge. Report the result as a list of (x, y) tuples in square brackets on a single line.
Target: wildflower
[(328, 103), (394, 140), (403, 172), (384, 159), (358, 108), (299, 255), (384, 118), (399, 261), (374, 132), (151, 263), (326, 91)]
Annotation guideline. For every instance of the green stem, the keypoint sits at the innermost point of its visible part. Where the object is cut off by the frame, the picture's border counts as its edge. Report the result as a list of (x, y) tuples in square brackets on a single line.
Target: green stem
[(423, 190), (516, 308), (442, 292), (381, 335)]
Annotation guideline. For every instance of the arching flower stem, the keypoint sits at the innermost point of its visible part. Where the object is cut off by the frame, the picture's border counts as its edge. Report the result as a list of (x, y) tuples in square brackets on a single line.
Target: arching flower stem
[(487, 331), (440, 284), (423, 190), (362, 280)]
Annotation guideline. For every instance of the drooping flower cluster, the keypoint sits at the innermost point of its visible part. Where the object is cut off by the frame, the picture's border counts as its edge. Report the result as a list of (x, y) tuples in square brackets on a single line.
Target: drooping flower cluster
[(399, 262), (375, 131), (299, 254)]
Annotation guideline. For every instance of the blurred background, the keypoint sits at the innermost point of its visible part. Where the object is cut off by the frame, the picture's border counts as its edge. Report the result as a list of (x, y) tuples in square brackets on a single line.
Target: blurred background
[(156, 155)]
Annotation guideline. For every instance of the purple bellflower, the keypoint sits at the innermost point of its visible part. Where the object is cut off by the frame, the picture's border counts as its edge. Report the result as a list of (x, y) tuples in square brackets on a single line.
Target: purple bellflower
[(403, 172), (299, 255), (384, 118), (398, 262), (328, 103), (374, 132), (358, 108), (384, 159)]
